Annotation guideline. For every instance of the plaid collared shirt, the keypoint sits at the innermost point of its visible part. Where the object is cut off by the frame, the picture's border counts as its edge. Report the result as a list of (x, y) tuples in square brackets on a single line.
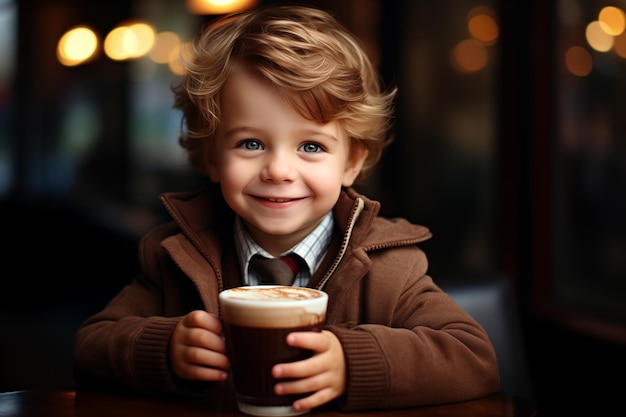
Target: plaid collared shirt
[(311, 249)]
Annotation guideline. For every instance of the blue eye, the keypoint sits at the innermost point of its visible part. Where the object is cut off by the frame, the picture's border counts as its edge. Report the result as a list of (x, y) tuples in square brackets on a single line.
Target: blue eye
[(311, 148), (252, 145)]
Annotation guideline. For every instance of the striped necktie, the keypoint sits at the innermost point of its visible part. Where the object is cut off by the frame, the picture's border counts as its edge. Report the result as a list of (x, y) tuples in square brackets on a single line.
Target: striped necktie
[(278, 271)]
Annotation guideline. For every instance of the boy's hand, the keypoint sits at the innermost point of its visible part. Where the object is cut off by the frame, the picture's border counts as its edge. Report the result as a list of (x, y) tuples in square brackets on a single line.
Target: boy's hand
[(197, 350), (323, 375)]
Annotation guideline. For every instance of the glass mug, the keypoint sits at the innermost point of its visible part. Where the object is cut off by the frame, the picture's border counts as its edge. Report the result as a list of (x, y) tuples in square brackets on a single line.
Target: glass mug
[(256, 321)]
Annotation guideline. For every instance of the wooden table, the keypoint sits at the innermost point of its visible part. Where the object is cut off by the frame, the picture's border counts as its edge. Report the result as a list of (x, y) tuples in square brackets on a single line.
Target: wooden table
[(70, 403)]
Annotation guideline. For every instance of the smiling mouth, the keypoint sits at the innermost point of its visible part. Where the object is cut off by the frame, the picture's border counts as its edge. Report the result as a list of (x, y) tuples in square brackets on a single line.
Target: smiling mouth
[(279, 200)]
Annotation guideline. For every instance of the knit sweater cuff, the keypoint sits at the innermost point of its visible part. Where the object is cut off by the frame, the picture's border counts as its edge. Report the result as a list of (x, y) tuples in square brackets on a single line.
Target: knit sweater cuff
[(151, 360), (367, 381)]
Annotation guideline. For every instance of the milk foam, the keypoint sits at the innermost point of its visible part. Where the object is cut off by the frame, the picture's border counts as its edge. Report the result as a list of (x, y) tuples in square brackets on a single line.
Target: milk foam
[(273, 293), (269, 306)]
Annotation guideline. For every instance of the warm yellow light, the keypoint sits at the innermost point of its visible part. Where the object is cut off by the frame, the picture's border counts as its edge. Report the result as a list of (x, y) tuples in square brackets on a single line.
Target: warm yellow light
[(129, 41), (77, 46), (219, 6), (115, 41), (177, 55), (597, 38), (612, 20), (164, 44), (144, 34)]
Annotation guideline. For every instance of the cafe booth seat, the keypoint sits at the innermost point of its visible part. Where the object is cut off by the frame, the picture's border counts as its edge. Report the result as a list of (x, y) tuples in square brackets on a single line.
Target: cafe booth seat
[(491, 302)]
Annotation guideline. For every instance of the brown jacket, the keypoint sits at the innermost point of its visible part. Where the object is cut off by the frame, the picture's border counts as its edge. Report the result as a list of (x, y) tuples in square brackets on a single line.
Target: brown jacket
[(406, 342)]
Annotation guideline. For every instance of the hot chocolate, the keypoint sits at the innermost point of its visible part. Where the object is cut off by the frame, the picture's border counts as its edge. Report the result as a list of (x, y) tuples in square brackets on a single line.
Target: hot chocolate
[(257, 320)]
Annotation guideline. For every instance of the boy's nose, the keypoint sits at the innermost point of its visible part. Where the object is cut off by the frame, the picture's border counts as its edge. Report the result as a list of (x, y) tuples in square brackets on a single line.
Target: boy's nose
[(278, 167)]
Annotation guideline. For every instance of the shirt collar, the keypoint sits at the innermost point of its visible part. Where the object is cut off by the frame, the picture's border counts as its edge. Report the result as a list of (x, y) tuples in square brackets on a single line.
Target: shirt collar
[(311, 249)]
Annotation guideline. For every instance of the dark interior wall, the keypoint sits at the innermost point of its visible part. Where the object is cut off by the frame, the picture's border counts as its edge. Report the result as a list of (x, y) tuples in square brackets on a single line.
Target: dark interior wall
[(59, 267), (60, 262)]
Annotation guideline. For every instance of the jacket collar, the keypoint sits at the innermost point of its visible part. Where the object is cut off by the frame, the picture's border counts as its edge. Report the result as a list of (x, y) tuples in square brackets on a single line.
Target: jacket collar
[(205, 208), (203, 214), (197, 212)]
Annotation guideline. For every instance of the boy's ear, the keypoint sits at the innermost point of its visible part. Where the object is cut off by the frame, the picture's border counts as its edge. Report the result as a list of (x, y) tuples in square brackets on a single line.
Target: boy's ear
[(358, 154)]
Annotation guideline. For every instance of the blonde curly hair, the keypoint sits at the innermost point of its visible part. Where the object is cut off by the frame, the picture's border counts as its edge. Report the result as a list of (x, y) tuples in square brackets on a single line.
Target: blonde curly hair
[(317, 64)]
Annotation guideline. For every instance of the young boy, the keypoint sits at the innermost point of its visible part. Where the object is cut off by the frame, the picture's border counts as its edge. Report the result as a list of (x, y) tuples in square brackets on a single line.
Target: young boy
[(284, 113)]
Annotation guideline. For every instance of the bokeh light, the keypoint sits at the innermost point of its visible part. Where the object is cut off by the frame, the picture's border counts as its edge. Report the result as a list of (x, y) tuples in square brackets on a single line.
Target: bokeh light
[(482, 25), (597, 38), (177, 56), (218, 6), (469, 56), (612, 20), (166, 44), (77, 46), (578, 61), (129, 41)]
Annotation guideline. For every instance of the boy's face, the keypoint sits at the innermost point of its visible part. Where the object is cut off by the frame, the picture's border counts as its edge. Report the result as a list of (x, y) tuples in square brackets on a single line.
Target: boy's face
[(279, 171)]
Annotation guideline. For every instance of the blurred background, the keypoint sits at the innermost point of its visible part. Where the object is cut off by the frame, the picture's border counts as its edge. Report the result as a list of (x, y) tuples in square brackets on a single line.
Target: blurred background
[(510, 146)]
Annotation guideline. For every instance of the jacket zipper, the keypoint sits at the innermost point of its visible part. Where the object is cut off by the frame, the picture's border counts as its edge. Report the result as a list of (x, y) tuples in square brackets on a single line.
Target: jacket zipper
[(356, 212), (354, 216)]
